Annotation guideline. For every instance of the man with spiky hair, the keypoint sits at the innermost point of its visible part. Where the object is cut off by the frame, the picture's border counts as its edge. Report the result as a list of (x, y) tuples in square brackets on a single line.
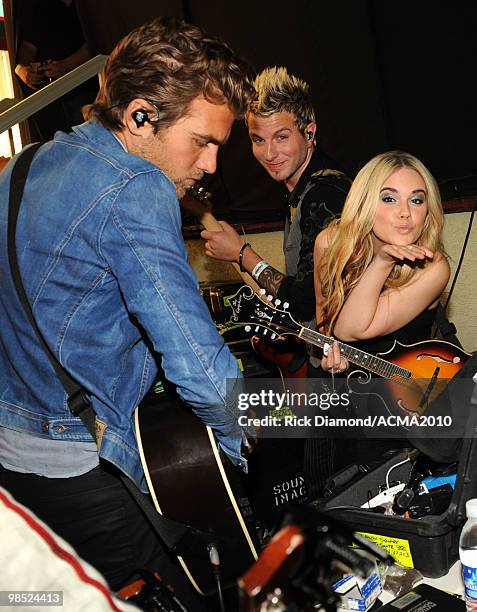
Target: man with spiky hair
[(282, 127)]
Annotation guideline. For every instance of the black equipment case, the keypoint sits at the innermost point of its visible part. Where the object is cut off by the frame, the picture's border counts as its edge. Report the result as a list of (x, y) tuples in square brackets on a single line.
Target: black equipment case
[(431, 543)]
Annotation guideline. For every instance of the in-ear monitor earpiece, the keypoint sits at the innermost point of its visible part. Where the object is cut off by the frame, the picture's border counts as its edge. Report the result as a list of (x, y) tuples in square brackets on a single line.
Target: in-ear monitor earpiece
[(140, 117)]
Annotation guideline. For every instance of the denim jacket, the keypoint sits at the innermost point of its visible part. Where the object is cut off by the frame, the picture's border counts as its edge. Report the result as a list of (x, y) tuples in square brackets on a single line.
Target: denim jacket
[(105, 269)]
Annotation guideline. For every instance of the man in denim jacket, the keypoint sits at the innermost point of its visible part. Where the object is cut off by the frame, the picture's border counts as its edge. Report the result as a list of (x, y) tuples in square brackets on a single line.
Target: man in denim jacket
[(105, 270)]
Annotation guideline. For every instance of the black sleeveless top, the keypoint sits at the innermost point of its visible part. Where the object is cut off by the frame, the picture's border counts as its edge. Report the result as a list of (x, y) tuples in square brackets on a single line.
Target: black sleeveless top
[(416, 330)]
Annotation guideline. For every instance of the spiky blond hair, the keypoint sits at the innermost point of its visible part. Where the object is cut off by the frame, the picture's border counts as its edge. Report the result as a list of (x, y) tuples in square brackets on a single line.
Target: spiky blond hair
[(277, 90)]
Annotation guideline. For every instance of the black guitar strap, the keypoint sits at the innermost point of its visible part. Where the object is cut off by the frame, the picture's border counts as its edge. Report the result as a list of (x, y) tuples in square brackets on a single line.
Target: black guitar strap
[(447, 328), (78, 400), (177, 536)]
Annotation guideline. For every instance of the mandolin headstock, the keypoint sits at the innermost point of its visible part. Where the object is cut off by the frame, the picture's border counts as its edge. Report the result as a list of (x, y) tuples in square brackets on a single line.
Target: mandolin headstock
[(251, 310)]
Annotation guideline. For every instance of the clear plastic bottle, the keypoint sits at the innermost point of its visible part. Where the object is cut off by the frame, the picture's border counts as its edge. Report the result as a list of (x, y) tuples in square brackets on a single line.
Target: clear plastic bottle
[(468, 555)]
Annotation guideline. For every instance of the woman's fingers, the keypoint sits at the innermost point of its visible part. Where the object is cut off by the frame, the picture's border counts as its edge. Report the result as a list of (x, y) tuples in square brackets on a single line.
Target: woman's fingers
[(412, 252), (334, 360)]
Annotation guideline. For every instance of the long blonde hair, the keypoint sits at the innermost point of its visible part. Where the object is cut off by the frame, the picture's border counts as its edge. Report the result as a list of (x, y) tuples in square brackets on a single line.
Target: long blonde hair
[(351, 249)]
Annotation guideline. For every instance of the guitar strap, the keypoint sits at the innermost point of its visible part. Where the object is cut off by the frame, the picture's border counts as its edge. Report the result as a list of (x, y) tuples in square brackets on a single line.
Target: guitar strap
[(446, 327), (177, 536)]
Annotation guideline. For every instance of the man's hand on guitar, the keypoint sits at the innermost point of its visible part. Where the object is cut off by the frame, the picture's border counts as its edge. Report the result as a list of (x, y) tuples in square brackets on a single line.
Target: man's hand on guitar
[(227, 245), (218, 233), (333, 360), (223, 245)]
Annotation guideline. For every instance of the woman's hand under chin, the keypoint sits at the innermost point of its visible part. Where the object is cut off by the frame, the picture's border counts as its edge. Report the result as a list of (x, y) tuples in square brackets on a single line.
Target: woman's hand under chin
[(390, 253)]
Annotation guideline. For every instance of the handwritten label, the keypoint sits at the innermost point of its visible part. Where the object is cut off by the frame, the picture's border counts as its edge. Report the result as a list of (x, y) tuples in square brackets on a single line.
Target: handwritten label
[(396, 547)]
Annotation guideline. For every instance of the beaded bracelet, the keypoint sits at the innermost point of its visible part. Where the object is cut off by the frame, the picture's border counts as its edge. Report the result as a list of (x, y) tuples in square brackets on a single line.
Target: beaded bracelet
[(240, 257)]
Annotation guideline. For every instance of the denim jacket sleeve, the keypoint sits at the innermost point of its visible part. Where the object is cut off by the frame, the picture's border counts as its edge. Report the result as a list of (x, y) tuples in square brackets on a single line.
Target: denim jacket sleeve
[(142, 244)]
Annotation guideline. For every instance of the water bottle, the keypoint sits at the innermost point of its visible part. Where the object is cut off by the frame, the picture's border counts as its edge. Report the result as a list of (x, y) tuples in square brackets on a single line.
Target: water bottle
[(468, 555)]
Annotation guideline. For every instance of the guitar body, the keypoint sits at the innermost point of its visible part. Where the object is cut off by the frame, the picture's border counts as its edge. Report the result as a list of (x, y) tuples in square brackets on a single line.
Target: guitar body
[(432, 364), (288, 355), (190, 484), (275, 569)]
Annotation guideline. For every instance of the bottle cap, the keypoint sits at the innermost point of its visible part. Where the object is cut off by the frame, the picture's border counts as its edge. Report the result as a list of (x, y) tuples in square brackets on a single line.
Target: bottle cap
[(471, 508)]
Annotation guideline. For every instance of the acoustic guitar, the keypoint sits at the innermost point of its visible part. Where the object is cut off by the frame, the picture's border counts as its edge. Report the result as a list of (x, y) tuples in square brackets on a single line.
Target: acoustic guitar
[(277, 565), (192, 483), (417, 373)]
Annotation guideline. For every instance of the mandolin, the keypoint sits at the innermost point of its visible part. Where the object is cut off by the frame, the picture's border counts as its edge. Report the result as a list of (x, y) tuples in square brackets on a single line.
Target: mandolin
[(418, 372)]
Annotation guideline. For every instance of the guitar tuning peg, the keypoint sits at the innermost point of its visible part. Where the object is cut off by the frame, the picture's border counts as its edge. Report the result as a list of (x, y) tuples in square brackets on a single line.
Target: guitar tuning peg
[(257, 328), (262, 292), (285, 305), (248, 328), (269, 298), (277, 302), (273, 336), (265, 332)]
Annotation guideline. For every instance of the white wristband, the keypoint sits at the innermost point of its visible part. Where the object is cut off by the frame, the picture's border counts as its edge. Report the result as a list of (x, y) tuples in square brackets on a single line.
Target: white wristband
[(259, 268)]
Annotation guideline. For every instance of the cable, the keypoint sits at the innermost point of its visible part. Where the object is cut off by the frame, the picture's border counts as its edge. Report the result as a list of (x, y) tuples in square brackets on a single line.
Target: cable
[(392, 468), (214, 559), (283, 380), (461, 258)]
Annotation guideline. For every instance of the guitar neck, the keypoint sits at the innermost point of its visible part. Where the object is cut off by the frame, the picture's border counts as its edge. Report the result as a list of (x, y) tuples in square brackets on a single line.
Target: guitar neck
[(202, 211), (381, 367)]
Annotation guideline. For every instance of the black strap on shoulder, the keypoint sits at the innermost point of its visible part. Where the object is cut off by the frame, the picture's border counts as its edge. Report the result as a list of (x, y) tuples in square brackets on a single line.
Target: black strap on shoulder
[(177, 536), (78, 400)]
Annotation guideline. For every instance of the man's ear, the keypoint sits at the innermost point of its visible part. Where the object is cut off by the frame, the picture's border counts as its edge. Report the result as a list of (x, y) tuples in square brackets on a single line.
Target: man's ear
[(310, 133), (139, 118)]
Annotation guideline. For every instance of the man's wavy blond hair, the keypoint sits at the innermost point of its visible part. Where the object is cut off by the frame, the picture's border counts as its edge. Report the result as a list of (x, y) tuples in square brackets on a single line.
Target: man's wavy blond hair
[(351, 249), (277, 91), (170, 63)]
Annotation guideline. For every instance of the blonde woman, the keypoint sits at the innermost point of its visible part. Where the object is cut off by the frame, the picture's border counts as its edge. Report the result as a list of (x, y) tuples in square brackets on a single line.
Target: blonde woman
[(381, 268)]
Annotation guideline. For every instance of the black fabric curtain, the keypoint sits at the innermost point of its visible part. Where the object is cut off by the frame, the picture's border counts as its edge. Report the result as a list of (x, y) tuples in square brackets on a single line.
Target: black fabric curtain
[(105, 22), (382, 76)]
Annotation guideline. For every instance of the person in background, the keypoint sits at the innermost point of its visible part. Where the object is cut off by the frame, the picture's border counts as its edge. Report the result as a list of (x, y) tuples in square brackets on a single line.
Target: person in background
[(51, 45), (381, 269), (105, 269), (34, 558), (282, 127)]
